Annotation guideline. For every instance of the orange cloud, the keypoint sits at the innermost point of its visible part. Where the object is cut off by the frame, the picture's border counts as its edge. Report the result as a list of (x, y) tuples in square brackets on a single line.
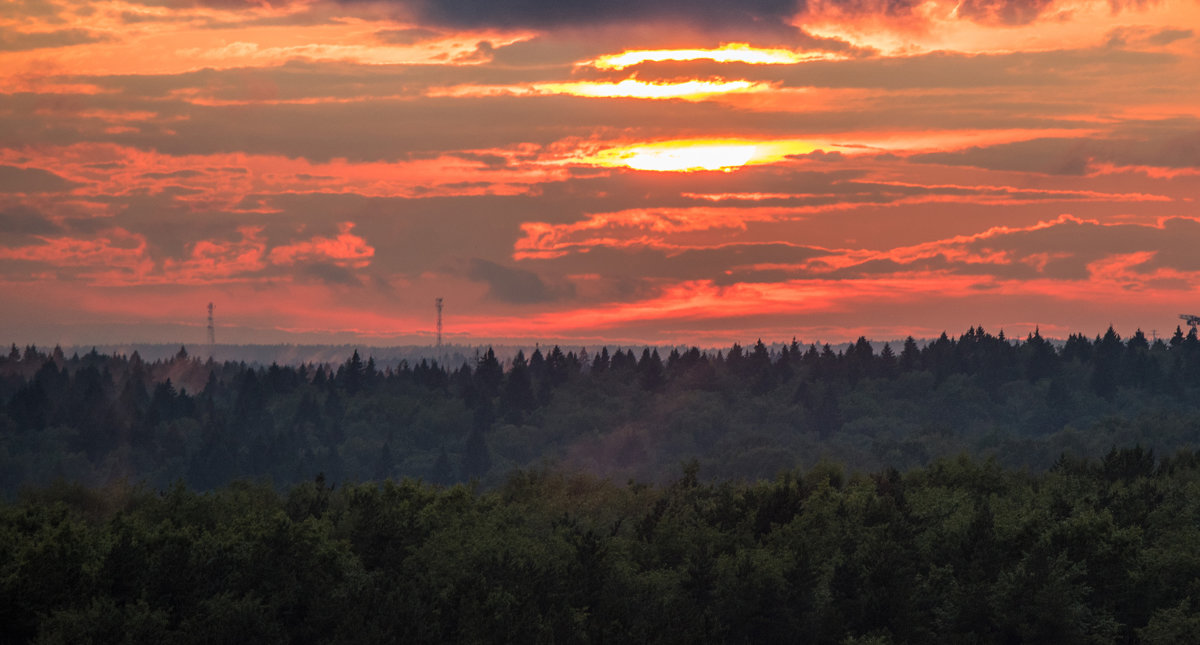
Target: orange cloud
[(986, 26), (219, 260), (224, 180), (636, 227), (703, 300), (120, 258), (346, 249), (136, 39), (116, 256), (118, 248), (185, 151), (1107, 255)]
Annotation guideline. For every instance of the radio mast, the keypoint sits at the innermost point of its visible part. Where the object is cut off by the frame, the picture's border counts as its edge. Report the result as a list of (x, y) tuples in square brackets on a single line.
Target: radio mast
[(437, 302), (212, 330)]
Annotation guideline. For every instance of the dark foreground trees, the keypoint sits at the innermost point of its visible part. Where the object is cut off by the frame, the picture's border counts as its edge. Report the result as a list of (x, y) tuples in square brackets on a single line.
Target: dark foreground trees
[(960, 551), (742, 413)]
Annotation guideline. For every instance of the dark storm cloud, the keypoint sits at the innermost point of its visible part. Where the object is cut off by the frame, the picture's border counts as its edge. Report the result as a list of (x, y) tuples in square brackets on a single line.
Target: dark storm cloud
[(414, 236), (1045, 156), (567, 47), (1168, 36), (411, 236), (765, 15), (31, 180), (409, 36), (717, 264), (11, 41), (1067, 249), (327, 273), (394, 130), (1070, 245), (20, 220), (1175, 148), (997, 12), (300, 79), (1063, 250), (379, 127), (1055, 69), (1005, 12), (134, 18), (1144, 36), (515, 286), (26, 8), (544, 14)]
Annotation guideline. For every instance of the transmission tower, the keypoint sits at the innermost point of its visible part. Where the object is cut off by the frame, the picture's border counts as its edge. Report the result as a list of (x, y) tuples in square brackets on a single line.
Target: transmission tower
[(437, 302), (212, 330)]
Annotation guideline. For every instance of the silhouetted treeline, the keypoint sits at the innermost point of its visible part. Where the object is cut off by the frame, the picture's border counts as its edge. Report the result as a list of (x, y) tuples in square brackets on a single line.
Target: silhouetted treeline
[(961, 551), (741, 413)]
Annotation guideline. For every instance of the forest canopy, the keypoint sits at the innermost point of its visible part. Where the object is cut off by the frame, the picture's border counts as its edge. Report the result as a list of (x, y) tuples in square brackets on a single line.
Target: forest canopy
[(969, 489), (741, 413), (1090, 551)]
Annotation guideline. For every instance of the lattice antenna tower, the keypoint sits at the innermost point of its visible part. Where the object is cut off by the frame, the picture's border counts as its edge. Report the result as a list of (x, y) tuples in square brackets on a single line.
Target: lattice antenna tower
[(437, 302), (212, 329)]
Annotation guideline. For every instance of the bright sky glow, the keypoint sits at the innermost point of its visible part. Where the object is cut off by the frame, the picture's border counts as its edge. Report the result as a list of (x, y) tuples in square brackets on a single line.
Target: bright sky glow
[(700, 154), (322, 171), (628, 88), (729, 53), (632, 88), (714, 156)]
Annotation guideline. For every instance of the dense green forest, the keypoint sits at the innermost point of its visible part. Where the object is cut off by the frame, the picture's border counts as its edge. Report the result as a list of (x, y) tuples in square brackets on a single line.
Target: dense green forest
[(619, 496), (741, 413), (962, 551)]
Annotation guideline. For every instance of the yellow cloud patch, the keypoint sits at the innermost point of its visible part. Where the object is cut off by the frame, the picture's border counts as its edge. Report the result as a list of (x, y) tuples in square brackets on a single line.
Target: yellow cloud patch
[(698, 154), (729, 53)]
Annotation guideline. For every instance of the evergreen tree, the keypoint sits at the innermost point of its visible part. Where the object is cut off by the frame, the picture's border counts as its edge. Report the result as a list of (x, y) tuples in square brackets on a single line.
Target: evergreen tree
[(650, 371), (29, 407), (558, 368), (757, 366), (910, 355), (517, 399), (887, 361), (1077, 348), (600, 363), (483, 416), (385, 465), (1040, 358), (353, 373), (442, 473), (488, 374), (827, 416), (860, 359), (476, 459), (1106, 363)]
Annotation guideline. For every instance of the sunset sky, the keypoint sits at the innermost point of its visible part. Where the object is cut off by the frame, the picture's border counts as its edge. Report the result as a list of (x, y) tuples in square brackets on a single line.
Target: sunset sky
[(632, 171)]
